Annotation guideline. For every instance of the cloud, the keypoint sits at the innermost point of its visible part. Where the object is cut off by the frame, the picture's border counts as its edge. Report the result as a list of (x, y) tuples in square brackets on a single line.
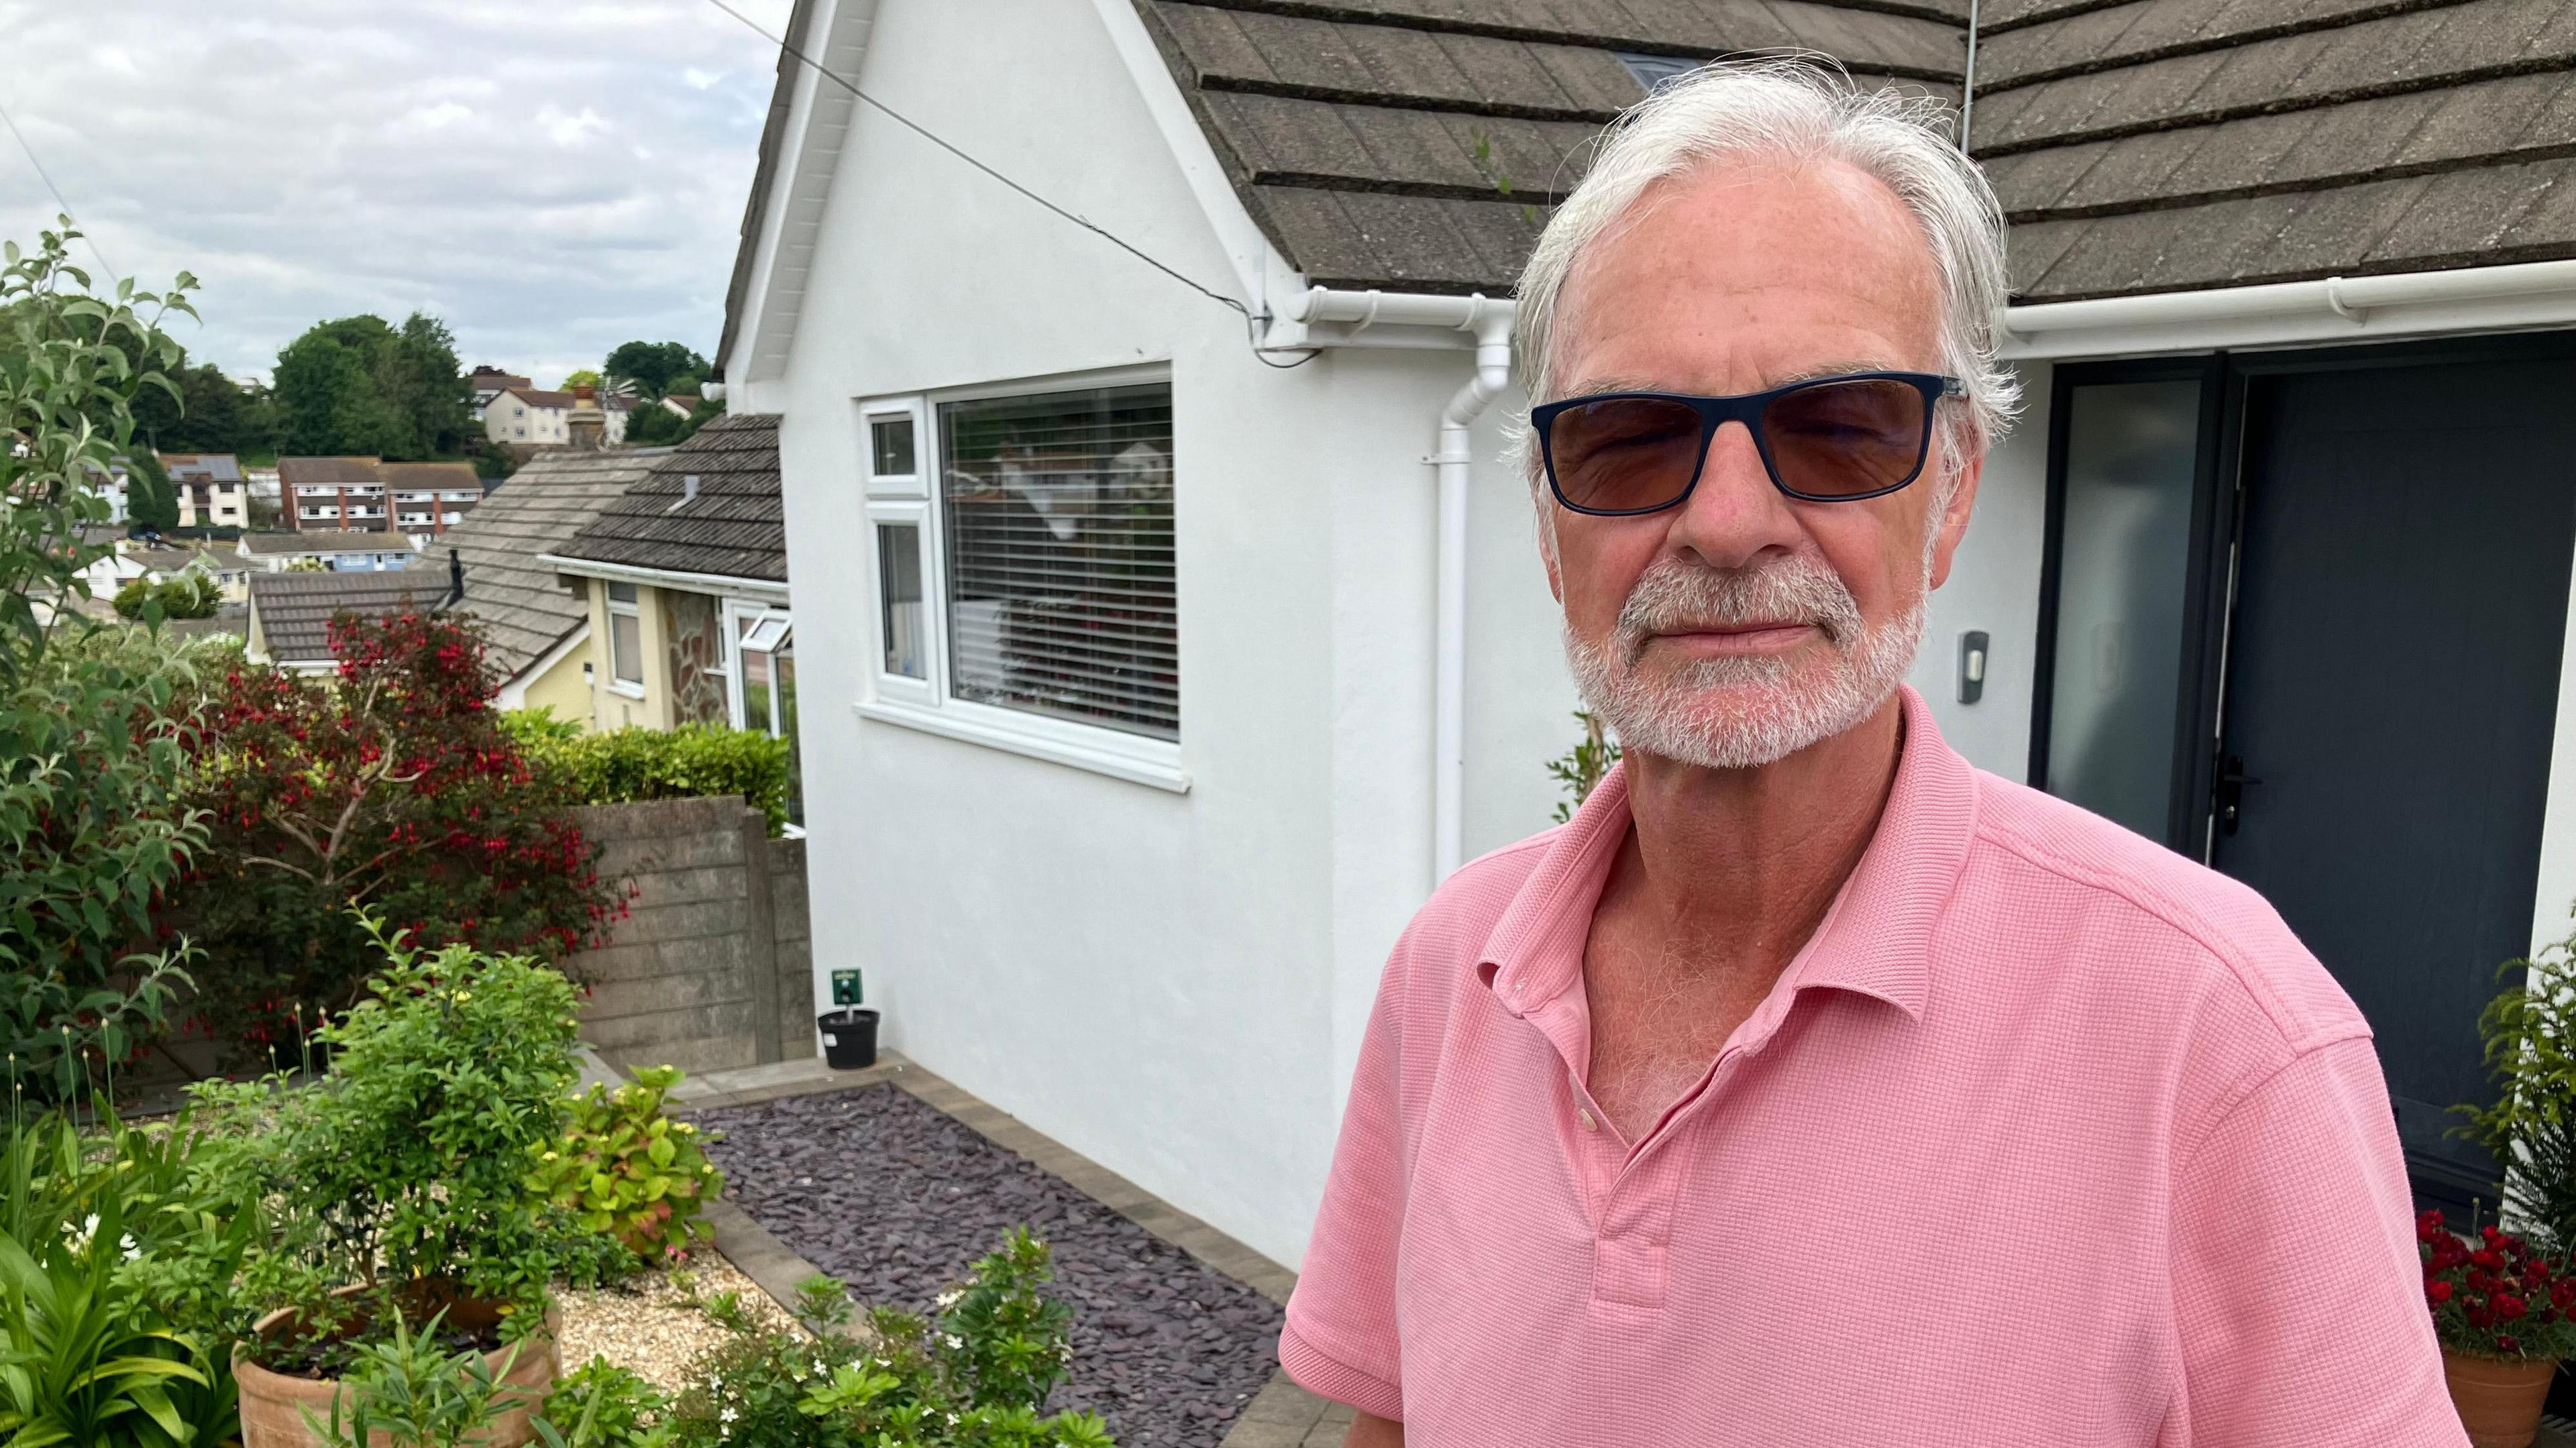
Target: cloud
[(433, 154)]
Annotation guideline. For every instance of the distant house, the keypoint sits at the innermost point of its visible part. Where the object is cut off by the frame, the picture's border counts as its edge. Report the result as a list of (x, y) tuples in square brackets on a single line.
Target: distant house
[(335, 493), (686, 577), (335, 551), (213, 493), (537, 630), (533, 417), (291, 613), (490, 382)]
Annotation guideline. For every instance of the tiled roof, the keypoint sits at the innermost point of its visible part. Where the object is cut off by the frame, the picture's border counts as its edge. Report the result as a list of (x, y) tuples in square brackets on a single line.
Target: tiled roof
[(323, 540), (215, 467), (2161, 145), (1414, 144), (295, 609), (523, 605), (429, 475), (326, 472), (733, 528), (539, 397)]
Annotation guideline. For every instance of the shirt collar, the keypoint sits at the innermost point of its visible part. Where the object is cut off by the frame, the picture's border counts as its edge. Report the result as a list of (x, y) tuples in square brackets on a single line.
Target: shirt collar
[(1876, 940)]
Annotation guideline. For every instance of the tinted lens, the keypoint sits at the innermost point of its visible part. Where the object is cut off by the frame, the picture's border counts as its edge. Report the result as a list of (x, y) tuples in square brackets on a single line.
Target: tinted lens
[(1623, 453), (1838, 439)]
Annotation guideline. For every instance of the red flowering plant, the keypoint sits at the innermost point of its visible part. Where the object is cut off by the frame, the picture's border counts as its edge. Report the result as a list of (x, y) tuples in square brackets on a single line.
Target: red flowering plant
[(2494, 1295), (389, 785)]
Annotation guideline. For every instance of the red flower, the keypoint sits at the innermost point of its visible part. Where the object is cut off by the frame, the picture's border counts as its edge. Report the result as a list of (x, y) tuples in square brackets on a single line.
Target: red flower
[(2508, 1306), (2438, 1290), (2505, 1342), (2480, 1317), (2485, 1258)]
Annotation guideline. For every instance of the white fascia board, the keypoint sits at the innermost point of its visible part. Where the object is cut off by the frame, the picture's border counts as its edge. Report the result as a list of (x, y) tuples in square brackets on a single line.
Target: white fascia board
[(818, 125), (2517, 297), (722, 585), (1257, 264), (514, 694)]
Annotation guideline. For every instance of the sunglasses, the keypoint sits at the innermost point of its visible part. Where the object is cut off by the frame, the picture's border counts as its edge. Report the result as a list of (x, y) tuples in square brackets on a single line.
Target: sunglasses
[(1825, 440)]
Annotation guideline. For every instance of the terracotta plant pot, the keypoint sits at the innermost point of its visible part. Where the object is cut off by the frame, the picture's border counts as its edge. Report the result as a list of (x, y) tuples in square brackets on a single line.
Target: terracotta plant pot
[(2498, 1398), (273, 1405)]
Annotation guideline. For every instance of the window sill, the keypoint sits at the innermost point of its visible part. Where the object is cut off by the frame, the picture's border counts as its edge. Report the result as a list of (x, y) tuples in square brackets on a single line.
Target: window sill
[(1110, 759), (625, 690)]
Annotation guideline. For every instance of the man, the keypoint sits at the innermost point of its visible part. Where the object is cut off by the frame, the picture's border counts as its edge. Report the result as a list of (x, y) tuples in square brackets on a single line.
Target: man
[(1811, 1087)]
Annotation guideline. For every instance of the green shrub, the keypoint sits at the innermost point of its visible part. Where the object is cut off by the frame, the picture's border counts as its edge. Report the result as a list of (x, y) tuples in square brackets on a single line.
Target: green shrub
[(182, 595), (635, 763), (627, 1171), (602, 1405)]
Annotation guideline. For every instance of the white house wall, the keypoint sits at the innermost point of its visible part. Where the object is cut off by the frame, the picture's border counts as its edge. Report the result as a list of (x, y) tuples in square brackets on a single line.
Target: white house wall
[(1147, 976), (1994, 586)]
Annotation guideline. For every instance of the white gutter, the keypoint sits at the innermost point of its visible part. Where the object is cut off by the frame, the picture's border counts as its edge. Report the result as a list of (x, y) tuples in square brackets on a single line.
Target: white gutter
[(1489, 321), (767, 590), (2539, 293)]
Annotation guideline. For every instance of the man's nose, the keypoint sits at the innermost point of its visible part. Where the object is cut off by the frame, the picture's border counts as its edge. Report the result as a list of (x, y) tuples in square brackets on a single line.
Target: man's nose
[(1735, 516)]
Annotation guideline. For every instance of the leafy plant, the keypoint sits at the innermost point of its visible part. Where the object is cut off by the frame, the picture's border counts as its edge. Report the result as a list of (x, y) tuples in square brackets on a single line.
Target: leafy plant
[(1581, 768), (184, 595), (407, 1391), (601, 1405), (978, 1378), (84, 1360), (92, 828), (635, 763), (627, 1171), (2530, 1034), (389, 787), (407, 1168)]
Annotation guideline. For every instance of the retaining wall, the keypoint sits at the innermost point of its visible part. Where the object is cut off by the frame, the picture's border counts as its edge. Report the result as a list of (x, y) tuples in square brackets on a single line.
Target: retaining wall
[(713, 965)]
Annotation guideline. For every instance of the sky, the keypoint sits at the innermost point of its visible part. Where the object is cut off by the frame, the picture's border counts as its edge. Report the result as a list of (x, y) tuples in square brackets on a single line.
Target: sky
[(550, 178)]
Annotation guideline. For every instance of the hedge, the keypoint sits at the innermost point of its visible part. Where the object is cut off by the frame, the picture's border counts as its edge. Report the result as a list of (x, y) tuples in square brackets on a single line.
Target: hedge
[(636, 763)]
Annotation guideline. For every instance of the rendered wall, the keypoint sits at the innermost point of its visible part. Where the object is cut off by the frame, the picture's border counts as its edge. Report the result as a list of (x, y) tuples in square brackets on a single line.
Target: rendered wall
[(562, 688), (1994, 586)]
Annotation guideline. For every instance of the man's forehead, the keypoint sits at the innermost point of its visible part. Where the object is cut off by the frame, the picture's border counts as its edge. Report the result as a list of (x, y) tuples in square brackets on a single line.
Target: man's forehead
[(1782, 377)]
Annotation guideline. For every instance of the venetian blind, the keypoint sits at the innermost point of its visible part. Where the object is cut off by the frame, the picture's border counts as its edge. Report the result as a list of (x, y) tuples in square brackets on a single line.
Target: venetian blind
[(1058, 515)]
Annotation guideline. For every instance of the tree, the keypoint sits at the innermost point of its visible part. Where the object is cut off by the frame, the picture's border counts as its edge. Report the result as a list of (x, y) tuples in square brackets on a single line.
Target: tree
[(652, 366), (92, 827), (360, 385), (150, 499), (653, 425)]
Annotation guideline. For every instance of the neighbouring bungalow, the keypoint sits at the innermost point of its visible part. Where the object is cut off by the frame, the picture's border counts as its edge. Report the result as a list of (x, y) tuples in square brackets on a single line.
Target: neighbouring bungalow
[(686, 582), (334, 550), (291, 613), (1182, 652), (536, 630)]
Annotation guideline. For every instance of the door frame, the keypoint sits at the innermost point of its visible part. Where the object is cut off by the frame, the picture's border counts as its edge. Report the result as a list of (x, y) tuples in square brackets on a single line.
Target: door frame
[(2228, 380)]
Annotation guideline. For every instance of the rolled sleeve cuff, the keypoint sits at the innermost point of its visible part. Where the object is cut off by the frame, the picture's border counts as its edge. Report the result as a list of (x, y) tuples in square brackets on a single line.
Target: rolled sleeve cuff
[(1327, 1376)]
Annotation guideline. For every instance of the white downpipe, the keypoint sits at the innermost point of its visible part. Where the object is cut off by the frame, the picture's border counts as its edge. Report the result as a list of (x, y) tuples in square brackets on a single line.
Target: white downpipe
[(1490, 322)]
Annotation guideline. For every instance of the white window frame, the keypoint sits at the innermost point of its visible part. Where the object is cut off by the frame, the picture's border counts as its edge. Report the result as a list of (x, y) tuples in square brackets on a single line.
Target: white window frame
[(926, 704), (737, 613), (617, 609)]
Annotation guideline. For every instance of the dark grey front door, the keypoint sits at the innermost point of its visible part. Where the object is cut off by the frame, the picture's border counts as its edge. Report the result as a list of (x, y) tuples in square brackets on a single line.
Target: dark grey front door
[(2391, 690)]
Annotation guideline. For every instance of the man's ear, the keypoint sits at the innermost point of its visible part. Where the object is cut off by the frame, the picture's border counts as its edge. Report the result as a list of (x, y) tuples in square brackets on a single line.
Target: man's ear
[(1545, 507), (1953, 522)]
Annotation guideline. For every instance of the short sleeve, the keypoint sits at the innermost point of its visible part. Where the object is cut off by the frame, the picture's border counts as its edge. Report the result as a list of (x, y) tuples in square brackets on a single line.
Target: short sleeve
[(2298, 1292), (1341, 1340)]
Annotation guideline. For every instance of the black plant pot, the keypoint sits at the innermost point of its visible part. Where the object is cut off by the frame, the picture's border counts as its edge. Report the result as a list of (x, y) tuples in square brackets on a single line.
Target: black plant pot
[(849, 1038)]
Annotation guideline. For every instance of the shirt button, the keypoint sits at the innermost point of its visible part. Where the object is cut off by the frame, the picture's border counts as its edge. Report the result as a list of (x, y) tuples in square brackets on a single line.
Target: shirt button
[(1584, 1115)]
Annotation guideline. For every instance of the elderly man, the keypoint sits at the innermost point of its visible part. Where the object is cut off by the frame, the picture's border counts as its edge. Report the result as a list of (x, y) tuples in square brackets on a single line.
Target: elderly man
[(1811, 1087)]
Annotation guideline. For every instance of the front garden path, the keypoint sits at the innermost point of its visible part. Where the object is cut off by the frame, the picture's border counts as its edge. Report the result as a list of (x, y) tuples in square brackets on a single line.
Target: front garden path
[(1196, 1344)]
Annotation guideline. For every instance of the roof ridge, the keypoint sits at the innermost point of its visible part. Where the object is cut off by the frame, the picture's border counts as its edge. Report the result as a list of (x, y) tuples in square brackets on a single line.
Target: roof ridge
[(1595, 39)]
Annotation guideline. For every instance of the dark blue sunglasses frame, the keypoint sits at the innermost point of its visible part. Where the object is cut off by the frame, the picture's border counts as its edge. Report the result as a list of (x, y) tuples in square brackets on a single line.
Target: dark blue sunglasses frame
[(1716, 412)]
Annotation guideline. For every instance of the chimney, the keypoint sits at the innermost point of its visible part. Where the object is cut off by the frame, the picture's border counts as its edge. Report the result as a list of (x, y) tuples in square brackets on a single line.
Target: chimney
[(587, 423), (455, 580)]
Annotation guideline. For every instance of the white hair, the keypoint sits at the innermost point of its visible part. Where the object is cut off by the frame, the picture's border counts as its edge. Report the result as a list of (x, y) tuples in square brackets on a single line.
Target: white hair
[(1795, 110)]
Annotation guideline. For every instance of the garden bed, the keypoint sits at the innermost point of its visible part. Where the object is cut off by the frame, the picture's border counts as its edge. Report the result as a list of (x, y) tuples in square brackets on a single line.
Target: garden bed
[(881, 1190)]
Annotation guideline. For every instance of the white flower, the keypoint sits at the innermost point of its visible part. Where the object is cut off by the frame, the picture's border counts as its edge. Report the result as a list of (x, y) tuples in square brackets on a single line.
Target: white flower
[(949, 1298), (132, 1250), (79, 1236), (954, 1341), (727, 1416)]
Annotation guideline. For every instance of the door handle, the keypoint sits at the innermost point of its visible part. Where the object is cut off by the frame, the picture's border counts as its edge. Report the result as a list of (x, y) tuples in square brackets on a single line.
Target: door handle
[(2232, 780)]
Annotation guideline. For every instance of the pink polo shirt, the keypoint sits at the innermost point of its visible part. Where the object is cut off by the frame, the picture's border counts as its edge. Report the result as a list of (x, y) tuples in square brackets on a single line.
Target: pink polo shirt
[(2048, 1137)]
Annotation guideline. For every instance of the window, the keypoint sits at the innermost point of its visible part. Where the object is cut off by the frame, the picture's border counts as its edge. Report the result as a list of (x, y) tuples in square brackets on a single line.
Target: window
[(899, 573), (1023, 548), (1057, 511), (763, 686), (625, 640)]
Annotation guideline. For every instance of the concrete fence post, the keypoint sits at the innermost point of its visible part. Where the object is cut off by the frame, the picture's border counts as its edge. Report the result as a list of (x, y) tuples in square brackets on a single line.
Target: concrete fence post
[(760, 928)]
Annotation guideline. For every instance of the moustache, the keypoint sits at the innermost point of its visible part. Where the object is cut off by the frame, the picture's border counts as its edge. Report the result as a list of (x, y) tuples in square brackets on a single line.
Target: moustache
[(1674, 596)]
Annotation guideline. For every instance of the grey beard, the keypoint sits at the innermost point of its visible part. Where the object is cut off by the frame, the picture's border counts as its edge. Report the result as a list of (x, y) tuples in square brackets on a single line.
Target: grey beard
[(1741, 713)]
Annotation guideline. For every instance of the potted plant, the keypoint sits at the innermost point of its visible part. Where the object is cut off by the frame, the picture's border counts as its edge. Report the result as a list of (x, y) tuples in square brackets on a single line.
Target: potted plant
[(405, 1188), (2501, 1310), (2500, 1302)]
